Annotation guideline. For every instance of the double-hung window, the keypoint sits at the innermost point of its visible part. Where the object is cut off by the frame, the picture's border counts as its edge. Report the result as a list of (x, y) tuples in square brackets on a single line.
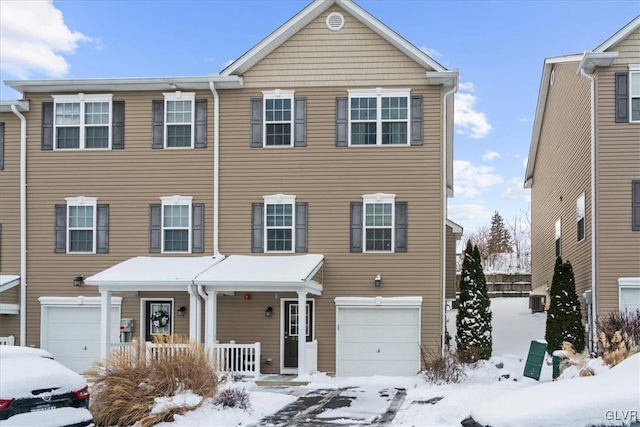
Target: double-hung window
[(379, 222), (179, 119), (81, 224), (379, 116), (558, 238), (82, 121), (279, 230), (634, 93), (580, 215), (278, 118), (176, 224)]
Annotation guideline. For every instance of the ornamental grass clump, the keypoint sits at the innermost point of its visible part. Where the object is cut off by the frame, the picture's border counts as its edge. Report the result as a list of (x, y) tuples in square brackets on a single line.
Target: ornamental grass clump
[(441, 369), (132, 385)]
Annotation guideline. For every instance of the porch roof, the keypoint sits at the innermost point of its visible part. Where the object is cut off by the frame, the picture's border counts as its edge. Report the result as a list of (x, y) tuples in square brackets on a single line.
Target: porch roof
[(264, 273), (8, 281), (152, 273)]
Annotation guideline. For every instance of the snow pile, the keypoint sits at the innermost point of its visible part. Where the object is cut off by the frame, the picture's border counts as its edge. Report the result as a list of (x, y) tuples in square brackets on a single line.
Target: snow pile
[(504, 263), (182, 399)]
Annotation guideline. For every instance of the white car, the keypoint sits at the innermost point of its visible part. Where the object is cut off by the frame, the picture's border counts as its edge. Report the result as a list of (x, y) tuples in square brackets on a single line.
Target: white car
[(35, 390)]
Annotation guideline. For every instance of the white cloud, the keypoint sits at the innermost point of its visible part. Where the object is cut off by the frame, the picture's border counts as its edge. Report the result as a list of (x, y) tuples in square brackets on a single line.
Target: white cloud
[(466, 117), (470, 180), (516, 191), (469, 212), (430, 51), (526, 120), (34, 39), (490, 155)]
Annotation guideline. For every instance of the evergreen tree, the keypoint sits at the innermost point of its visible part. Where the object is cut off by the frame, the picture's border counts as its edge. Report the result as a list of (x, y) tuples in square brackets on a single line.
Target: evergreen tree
[(564, 318), (499, 237), (473, 322)]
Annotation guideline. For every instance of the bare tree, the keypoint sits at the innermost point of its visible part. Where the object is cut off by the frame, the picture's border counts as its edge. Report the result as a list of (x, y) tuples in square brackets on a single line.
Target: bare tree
[(520, 229)]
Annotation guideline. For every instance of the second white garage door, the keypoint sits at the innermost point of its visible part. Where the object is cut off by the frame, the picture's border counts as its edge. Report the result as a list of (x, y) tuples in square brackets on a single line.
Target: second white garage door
[(379, 340)]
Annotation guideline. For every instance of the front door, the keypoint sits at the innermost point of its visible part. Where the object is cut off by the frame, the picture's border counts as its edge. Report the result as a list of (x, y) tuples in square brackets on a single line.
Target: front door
[(158, 318), (291, 331)]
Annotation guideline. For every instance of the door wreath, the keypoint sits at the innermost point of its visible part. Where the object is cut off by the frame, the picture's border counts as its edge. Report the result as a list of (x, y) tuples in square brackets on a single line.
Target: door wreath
[(159, 318)]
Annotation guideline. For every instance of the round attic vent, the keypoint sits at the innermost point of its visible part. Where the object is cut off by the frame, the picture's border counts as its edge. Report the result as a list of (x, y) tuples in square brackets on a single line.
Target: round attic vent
[(335, 21)]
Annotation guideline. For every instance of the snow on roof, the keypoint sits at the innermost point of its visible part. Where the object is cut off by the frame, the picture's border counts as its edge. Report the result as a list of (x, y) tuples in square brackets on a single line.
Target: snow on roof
[(8, 281), (153, 272), (264, 273)]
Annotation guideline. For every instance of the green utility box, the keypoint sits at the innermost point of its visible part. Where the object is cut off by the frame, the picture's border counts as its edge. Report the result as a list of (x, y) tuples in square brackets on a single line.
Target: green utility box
[(535, 359), (556, 367)]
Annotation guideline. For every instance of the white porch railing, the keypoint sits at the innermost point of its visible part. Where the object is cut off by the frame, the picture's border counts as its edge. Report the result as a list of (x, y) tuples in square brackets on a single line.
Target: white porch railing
[(10, 340), (241, 359)]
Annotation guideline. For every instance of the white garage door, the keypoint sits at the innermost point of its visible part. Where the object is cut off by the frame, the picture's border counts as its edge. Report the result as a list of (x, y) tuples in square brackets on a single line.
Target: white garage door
[(378, 341), (71, 333)]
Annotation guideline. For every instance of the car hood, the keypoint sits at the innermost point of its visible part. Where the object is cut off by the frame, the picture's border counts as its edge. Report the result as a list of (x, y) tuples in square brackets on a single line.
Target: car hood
[(20, 376)]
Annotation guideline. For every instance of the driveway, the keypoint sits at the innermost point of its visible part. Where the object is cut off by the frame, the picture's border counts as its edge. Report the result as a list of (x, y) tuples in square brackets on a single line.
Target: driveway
[(348, 406)]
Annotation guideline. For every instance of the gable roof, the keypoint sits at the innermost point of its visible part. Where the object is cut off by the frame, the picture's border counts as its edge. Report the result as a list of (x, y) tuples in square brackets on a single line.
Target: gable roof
[(311, 12), (588, 61)]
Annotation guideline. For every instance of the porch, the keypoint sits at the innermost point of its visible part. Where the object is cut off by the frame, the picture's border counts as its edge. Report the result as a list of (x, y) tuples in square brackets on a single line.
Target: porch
[(207, 278)]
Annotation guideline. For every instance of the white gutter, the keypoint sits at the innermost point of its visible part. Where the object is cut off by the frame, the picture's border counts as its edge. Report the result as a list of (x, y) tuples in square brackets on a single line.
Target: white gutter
[(216, 167), (593, 204), (23, 225), (444, 214)]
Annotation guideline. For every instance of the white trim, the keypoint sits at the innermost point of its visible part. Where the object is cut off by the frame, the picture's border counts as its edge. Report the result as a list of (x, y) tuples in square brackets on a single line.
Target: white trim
[(9, 308), (312, 315), (82, 201), (378, 301), (620, 35), (280, 199), (179, 96), (373, 199), (626, 283), (177, 200), (8, 281), (278, 94), (79, 300), (143, 319), (634, 73), (379, 93), (82, 99)]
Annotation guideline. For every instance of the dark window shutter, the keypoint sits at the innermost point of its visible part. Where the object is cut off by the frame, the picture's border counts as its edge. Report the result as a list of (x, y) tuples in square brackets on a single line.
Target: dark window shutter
[(401, 227), (60, 229), (636, 205), (416, 120), (356, 227), (47, 126), (301, 226), (257, 227), (197, 228), (1, 145), (117, 126), (622, 97), (300, 131), (155, 227), (201, 123), (102, 233), (256, 123), (342, 122), (157, 140)]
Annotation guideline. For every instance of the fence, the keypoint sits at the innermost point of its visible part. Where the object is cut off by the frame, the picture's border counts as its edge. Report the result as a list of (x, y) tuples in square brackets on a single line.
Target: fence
[(10, 340), (241, 359)]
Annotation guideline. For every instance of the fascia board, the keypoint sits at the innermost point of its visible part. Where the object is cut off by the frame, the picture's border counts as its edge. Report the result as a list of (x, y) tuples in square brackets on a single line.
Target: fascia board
[(622, 34), (21, 105)]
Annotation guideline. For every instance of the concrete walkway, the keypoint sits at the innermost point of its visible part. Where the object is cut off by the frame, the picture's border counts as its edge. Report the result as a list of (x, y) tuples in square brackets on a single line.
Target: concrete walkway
[(349, 406)]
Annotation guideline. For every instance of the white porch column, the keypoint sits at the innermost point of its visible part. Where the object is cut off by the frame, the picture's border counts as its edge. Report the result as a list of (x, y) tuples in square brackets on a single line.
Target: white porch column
[(105, 323), (211, 315), (195, 316), (302, 331)]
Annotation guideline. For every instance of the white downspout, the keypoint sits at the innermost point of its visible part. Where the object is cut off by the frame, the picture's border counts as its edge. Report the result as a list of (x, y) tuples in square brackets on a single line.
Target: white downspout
[(444, 214), (195, 314), (23, 225), (593, 205), (216, 167)]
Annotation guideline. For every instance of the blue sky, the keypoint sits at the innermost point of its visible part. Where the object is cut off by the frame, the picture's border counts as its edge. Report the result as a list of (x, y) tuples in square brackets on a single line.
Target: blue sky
[(498, 46)]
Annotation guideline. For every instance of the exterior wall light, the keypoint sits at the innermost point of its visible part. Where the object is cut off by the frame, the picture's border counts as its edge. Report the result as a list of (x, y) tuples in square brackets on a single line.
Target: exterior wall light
[(78, 281), (268, 312), (377, 281), (182, 310)]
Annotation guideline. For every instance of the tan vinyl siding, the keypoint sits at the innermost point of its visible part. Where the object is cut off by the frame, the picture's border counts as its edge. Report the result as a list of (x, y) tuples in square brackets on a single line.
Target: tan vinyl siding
[(450, 292), (128, 180), (317, 56), (562, 173), (618, 164), (329, 178)]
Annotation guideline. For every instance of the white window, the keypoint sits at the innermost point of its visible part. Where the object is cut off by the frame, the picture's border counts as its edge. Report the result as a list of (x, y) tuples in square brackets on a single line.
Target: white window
[(278, 118), (634, 95), (558, 238), (379, 117), (279, 220), (82, 122), (179, 119), (81, 224), (379, 220), (629, 293), (580, 215), (176, 224)]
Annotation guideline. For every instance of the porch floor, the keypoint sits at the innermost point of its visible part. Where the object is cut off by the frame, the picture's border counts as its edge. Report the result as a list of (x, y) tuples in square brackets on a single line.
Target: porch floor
[(281, 380)]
